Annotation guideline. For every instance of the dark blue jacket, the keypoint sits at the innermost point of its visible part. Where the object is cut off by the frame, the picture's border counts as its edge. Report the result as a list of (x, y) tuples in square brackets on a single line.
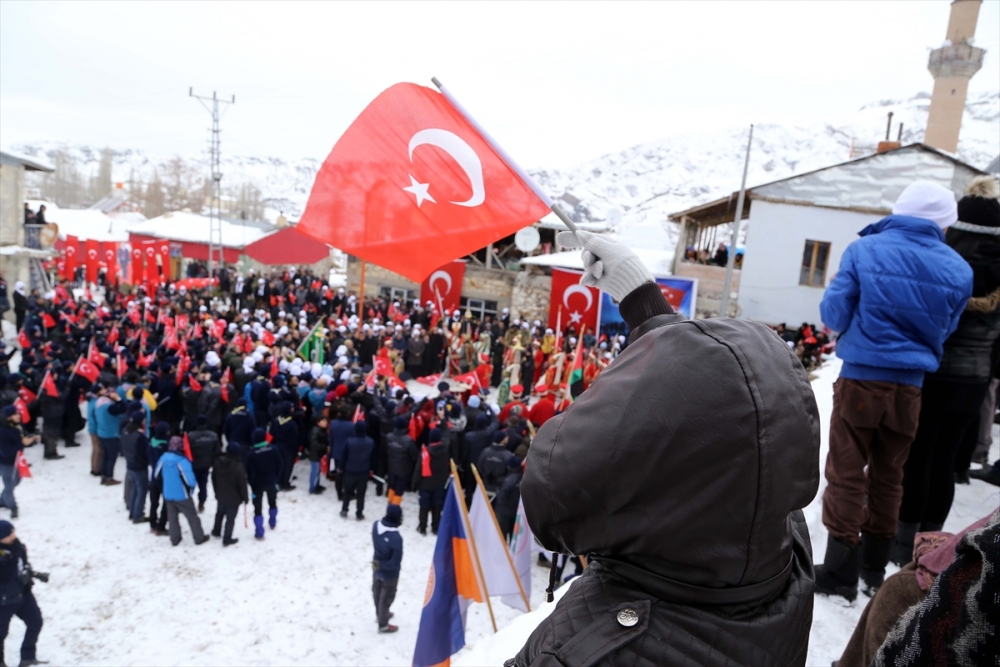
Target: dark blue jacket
[(388, 545), (358, 455), (340, 431), (285, 433), (10, 443), (239, 427), (897, 296), (260, 391), (263, 466)]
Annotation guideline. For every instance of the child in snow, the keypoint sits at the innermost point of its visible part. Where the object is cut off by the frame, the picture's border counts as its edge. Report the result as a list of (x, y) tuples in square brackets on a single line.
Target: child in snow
[(263, 473)]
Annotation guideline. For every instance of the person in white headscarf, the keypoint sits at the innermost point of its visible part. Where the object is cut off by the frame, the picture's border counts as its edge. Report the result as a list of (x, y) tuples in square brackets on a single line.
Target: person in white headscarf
[(20, 304)]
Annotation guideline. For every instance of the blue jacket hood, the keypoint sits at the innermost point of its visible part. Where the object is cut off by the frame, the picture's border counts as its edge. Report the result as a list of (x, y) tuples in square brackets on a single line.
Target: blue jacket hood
[(906, 224)]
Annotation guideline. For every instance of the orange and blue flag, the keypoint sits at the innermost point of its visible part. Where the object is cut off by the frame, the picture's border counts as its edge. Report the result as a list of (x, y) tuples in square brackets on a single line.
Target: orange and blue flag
[(452, 586)]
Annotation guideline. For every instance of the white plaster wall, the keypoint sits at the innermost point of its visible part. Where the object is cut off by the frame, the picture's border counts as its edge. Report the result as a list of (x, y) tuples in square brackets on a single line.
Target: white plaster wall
[(769, 289)]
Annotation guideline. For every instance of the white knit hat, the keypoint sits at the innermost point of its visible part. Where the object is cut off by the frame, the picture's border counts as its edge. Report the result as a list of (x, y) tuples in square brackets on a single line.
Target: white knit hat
[(928, 200)]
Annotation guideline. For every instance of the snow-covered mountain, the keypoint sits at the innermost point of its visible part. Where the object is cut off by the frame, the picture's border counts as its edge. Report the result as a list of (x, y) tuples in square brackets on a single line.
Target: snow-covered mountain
[(645, 182)]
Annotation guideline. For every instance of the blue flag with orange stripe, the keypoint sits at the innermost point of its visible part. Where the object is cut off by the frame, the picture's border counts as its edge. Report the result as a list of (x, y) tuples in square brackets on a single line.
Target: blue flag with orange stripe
[(451, 587)]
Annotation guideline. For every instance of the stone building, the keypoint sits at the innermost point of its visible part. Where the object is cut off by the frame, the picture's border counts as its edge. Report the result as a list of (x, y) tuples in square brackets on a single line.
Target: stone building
[(20, 251)]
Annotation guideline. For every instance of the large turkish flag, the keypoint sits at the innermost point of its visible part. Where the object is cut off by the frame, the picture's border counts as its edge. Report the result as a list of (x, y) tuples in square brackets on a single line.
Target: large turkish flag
[(163, 247), (445, 283), (138, 270), (111, 259), (92, 255), (72, 247), (578, 303), (412, 185), (152, 272)]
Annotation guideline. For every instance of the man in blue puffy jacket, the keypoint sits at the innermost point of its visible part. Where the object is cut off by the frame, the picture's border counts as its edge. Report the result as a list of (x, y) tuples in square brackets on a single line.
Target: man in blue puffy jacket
[(179, 483), (897, 296)]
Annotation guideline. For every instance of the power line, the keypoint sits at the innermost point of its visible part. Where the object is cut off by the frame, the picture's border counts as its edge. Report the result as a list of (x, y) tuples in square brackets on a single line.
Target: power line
[(215, 205)]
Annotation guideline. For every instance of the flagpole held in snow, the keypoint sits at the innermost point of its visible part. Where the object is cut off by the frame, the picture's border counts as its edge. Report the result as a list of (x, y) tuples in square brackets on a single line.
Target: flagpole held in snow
[(508, 160), (472, 541)]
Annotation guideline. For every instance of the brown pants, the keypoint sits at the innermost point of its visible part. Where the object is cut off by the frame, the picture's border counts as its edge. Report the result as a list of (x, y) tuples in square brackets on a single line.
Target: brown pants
[(894, 597), (872, 424), (95, 453)]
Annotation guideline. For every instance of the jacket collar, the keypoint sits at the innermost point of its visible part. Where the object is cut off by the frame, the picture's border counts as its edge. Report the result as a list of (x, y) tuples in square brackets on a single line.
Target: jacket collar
[(906, 224), (654, 323), (382, 528)]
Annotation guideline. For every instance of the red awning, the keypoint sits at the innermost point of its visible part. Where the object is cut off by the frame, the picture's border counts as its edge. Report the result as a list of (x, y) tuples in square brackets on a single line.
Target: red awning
[(287, 246)]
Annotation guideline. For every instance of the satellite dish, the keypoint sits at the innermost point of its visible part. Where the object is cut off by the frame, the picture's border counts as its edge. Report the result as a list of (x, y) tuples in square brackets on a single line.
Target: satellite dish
[(615, 217), (527, 239)]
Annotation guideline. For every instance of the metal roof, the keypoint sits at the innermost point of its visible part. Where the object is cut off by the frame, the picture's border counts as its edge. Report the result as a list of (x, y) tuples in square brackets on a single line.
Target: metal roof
[(29, 164)]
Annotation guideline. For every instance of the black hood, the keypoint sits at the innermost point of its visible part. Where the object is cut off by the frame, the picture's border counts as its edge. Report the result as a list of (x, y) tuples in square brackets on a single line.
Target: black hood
[(685, 460)]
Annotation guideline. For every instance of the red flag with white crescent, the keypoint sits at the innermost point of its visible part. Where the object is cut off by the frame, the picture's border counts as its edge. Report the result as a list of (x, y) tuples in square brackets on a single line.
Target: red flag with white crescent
[(29, 395), (412, 172), (93, 259), (49, 385), (138, 265), (22, 409), (23, 340), (70, 260), (86, 369), (23, 469), (444, 286), (111, 260), (164, 250), (113, 335), (579, 302)]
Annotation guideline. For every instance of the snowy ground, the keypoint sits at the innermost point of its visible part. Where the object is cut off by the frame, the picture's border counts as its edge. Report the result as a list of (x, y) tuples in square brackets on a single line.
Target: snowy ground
[(118, 595)]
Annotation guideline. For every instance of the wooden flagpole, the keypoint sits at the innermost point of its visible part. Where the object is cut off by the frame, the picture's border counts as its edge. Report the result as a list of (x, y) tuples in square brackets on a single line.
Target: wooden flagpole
[(496, 524), (472, 541)]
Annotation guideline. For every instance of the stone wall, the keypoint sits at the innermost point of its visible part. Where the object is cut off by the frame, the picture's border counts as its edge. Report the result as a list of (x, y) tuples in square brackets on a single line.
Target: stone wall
[(530, 299), (11, 227), (710, 282), (478, 283)]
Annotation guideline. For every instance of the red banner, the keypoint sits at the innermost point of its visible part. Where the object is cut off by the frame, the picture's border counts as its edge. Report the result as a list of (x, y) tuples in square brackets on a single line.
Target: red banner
[(138, 269), (152, 273), (69, 266), (572, 304), (163, 247), (443, 287), (111, 260), (93, 259)]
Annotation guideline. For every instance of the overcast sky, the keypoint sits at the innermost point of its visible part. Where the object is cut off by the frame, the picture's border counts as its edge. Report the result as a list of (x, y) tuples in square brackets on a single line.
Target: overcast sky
[(555, 83)]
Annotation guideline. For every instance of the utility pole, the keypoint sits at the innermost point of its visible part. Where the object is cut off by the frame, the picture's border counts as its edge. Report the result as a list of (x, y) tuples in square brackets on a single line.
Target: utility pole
[(215, 206), (737, 221)]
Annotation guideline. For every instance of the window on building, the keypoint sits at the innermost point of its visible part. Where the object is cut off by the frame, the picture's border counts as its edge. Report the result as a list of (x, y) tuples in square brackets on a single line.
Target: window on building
[(401, 294), (480, 308), (814, 260)]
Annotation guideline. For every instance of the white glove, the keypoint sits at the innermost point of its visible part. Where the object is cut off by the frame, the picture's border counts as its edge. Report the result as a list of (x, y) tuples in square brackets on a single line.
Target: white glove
[(608, 265)]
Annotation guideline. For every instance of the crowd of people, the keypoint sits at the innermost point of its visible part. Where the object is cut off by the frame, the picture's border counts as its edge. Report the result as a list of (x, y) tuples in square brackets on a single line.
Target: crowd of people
[(230, 385)]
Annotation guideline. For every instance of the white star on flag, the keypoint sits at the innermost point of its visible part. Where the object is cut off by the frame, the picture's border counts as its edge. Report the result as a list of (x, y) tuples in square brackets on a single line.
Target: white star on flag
[(419, 190), (575, 317)]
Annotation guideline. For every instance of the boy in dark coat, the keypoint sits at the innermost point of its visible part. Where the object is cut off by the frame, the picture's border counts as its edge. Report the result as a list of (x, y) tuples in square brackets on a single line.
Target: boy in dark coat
[(157, 510), (357, 466), (53, 409), (263, 472), (402, 455), (135, 450), (229, 478), (285, 436), (205, 448), (318, 447), (430, 476), (386, 562), (492, 463), (340, 430), (508, 496), (239, 426)]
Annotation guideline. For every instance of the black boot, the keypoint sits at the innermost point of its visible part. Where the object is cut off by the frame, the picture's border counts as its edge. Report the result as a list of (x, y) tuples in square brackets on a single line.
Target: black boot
[(902, 546), (874, 556), (989, 474), (435, 519), (422, 523), (838, 575)]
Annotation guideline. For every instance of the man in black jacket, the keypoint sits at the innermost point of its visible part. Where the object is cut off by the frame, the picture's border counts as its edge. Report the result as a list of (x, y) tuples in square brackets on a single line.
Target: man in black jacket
[(430, 476), (476, 442), (402, 455), (205, 448), (263, 472), (135, 449), (687, 503), (492, 463), (53, 408), (285, 436), (239, 426), (16, 598), (229, 478)]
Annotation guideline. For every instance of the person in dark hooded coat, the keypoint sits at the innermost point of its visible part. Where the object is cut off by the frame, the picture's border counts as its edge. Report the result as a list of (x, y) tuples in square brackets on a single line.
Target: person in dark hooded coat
[(239, 426), (680, 473)]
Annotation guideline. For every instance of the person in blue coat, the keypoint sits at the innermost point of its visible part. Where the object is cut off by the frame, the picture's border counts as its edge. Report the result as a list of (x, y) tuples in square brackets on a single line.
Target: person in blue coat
[(386, 562), (95, 443), (179, 482), (357, 467), (263, 473), (898, 295), (107, 414), (240, 425)]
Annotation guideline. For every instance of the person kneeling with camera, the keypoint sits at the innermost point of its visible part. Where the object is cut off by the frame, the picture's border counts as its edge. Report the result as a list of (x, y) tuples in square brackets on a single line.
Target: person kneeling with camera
[(16, 599)]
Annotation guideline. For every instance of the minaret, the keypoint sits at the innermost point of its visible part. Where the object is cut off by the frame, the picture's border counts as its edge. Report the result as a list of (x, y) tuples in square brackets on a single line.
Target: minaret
[(952, 66)]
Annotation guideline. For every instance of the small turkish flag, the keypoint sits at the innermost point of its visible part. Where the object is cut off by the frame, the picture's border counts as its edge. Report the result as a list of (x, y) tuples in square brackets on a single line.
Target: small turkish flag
[(383, 366), (187, 448), (578, 303), (267, 338), (411, 185), (94, 356), (274, 366), (23, 340), (49, 385), (144, 361), (48, 321), (86, 369), (22, 409), (182, 322), (29, 395), (226, 379), (193, 382), (443, 287), (113, 336), (23, 469)]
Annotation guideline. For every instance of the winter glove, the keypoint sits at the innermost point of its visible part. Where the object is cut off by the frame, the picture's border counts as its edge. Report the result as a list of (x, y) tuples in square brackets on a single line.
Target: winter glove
[(608, 265)]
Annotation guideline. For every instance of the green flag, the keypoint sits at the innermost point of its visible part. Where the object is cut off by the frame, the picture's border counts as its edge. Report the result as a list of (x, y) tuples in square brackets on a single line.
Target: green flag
[(312, 348)]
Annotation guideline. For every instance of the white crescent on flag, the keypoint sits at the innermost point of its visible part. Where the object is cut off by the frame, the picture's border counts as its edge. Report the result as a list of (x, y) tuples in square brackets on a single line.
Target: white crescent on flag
[(461, 152), (578, 289), (440, 275)]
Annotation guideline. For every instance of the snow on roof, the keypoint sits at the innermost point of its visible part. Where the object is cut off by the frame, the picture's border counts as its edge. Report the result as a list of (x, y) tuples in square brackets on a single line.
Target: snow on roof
[(83, 223), (29, 163), (194, 228)]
